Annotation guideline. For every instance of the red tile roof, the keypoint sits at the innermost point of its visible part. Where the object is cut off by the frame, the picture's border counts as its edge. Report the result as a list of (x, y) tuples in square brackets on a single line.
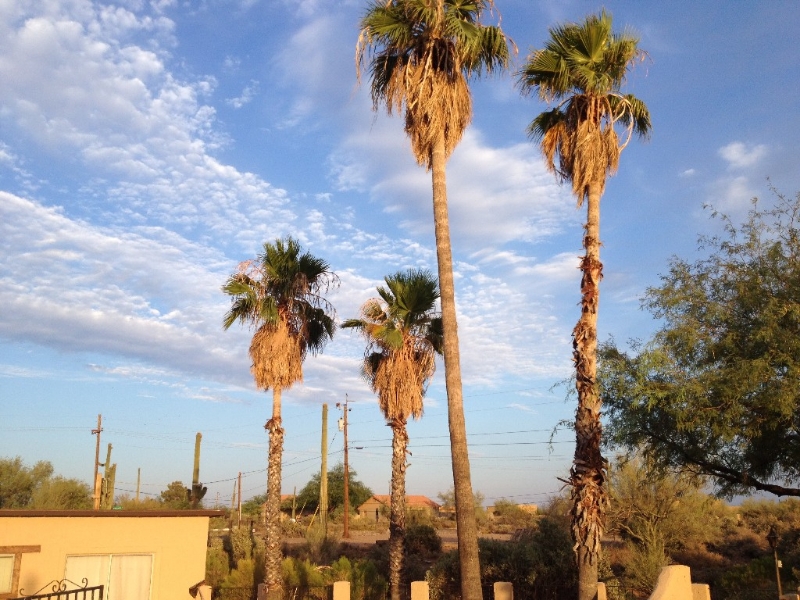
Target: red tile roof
[(411, 501)]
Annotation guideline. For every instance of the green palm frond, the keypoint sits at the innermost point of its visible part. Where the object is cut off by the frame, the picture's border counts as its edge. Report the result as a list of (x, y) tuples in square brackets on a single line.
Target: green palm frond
[(545, 122), (283, 288)]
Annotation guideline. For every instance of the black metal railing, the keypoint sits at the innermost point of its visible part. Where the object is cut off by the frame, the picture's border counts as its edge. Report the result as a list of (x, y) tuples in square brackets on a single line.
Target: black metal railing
[(59, 591)]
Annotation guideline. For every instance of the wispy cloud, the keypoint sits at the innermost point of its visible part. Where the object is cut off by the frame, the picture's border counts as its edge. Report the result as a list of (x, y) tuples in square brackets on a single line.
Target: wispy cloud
[(739, 155), (248, 93)]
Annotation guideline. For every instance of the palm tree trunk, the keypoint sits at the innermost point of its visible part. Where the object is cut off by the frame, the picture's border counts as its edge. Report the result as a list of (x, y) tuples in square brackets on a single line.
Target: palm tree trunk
[(397, 513), (273, 557), (588, 474), (465, 509)]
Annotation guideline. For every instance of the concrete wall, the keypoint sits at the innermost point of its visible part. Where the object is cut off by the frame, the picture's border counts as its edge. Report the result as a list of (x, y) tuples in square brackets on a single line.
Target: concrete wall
[(176, 539)]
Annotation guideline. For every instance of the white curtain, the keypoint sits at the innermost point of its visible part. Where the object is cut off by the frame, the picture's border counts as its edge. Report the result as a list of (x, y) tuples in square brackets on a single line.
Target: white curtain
[(126, 576), (130, 577), (6, 572), (92, 568)]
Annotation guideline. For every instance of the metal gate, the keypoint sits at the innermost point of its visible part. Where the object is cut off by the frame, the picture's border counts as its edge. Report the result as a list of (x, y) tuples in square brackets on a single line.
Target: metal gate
[(58, 591)]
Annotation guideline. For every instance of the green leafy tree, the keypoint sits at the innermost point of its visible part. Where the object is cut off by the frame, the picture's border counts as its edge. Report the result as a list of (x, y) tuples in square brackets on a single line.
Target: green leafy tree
[(715, 390), (280, 296), (60, 493), (18, 482), (421, 54), (254, 505), (404, 334), (582, 68), (308, 497), (175, 496)]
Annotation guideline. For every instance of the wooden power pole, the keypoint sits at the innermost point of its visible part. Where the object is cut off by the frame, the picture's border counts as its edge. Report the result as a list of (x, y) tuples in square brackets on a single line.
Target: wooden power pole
[(343, 427), (95, 482), (323, 476)]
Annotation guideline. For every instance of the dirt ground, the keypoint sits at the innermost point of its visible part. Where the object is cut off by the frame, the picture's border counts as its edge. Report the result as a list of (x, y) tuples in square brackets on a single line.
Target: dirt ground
[(368, 538)]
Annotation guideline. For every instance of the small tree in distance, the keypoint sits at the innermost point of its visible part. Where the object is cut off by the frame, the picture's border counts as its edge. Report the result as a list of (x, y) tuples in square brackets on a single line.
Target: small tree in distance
[(175, 496), (308, 497)]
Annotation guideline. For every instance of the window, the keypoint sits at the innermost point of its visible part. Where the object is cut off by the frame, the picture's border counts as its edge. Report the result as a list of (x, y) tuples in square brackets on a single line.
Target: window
[(6, 572), (126, 576), (10, 562)]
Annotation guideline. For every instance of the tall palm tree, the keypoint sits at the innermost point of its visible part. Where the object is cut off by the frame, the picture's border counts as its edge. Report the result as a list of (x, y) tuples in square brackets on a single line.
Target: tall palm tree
[(280, 296), (403, 334), (582, 68), (421, 55)]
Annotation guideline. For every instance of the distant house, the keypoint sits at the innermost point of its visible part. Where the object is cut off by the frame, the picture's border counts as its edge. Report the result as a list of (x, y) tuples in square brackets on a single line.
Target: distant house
[(136, 555), (378, 504)]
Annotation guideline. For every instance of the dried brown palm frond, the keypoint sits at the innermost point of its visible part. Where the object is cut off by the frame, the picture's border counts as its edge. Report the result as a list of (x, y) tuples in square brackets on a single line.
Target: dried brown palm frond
[(436, 102), (277, 357), (400, 381)]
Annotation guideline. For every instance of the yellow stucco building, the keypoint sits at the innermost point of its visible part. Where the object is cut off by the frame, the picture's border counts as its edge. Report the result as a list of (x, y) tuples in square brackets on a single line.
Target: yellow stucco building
[(137, 555)]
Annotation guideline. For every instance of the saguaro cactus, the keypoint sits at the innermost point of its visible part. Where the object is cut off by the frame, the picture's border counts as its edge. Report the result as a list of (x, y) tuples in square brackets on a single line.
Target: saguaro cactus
[(107, 486), (198, 491)]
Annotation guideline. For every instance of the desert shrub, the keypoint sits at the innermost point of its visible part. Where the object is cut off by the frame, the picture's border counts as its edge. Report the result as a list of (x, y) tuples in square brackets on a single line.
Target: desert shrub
[(644, 565), (292, 529), (217, 564), (538, 562), (301, 574), (241, 544), (422, 540), (365, 581), (319, 547), (240, 582), (419, 517), (508, 516)]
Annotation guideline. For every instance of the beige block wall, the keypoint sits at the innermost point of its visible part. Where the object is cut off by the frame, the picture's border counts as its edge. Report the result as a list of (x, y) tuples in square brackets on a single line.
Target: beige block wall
[(674, 583), (178, 544)]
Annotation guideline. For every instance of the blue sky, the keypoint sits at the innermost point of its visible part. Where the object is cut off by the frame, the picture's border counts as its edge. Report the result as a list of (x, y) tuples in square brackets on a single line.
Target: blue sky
[(146, 148)]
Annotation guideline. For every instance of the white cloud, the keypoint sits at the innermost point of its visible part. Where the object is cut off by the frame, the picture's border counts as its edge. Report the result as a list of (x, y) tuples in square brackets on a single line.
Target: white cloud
[(146, 294), (247, 95), (739, 155), (731, 195), (495, 195), (115, 109)]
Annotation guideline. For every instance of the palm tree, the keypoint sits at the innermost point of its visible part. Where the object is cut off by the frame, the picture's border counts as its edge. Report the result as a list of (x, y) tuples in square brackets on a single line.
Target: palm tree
[(582, 68), (280, 296), (403, 335), (421, 55)]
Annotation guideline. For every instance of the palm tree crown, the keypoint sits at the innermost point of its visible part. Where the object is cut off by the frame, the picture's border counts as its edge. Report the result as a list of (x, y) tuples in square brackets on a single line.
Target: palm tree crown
[(422, 53), (280, 295), (404, 333), (582, 67)]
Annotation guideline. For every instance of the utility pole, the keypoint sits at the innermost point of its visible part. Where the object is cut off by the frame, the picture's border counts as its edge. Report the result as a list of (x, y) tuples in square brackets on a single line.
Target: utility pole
[(343, 427), (138, 483), (95, 482), (323, 477), (233, 503), (239, 505)]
